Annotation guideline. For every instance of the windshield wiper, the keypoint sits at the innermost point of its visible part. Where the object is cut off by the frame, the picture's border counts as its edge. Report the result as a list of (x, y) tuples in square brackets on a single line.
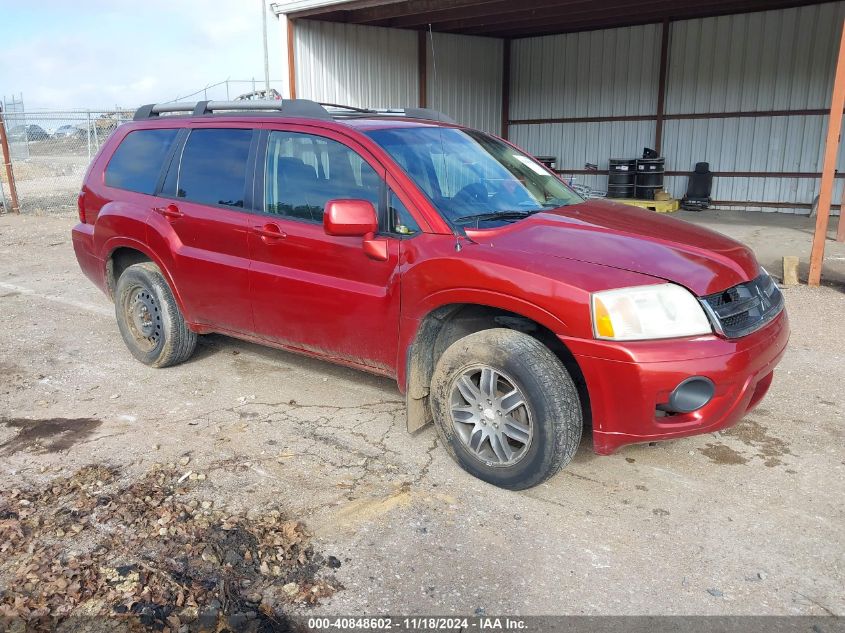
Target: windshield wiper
[(501, 215), (554, 203)]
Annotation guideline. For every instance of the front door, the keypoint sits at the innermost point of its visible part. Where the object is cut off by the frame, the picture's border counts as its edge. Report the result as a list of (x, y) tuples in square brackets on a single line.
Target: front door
[(311, 291), (202, 217)]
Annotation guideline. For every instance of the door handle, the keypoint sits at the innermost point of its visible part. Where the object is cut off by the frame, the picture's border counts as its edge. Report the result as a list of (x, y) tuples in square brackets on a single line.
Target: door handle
[(269, 232), (171, 212)]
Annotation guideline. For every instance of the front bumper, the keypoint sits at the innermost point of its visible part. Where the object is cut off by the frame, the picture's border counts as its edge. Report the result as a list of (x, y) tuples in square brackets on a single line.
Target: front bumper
[(627, 381)]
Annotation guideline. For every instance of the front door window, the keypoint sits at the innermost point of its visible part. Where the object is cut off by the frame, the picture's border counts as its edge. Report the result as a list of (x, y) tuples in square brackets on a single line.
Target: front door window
[(303, 172)]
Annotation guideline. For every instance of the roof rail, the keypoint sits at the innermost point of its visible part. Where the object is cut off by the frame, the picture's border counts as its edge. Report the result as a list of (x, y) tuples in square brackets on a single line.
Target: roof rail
[(301, 108), (289, 107)]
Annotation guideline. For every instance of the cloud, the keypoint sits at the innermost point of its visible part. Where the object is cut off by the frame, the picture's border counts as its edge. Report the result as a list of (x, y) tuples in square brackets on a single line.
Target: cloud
[(103, 55)]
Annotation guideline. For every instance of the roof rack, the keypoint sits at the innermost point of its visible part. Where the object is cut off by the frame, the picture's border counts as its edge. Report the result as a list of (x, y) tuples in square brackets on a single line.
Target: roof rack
[(299, 108), (289, 107)]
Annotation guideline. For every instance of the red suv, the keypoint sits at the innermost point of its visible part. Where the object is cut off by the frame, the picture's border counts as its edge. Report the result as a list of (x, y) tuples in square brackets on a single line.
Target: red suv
[(510, 311)]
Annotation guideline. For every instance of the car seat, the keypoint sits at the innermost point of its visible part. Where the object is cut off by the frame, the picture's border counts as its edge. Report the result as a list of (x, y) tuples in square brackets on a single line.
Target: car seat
[(297, 183), (698, 189)]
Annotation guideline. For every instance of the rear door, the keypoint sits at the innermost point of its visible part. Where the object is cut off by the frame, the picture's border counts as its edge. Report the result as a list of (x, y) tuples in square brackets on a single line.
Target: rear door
[(202, 216), (312, 291)]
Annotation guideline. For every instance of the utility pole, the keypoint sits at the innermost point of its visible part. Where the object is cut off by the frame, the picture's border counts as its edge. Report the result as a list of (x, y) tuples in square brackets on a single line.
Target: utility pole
[(266, 58)]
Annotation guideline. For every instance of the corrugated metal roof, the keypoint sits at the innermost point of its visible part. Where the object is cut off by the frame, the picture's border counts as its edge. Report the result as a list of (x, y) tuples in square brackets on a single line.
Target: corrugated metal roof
[(526, 18)]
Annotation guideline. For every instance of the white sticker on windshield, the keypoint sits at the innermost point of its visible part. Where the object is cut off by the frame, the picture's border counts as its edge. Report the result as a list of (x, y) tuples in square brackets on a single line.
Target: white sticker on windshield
[(537, 169)]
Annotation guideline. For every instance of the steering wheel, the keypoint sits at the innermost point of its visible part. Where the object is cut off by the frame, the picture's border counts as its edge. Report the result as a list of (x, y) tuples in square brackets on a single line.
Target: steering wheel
[(473, 193)]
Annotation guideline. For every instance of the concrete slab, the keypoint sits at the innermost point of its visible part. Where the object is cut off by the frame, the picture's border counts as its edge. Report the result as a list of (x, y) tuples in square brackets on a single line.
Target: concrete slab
[(748, 521)]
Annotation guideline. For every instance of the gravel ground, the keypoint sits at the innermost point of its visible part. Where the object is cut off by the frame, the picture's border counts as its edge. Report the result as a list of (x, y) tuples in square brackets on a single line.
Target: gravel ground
[(748, 521)]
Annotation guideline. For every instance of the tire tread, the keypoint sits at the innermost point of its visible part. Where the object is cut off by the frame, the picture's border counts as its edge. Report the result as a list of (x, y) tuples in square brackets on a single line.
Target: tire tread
[(560, 394), (180, 341)]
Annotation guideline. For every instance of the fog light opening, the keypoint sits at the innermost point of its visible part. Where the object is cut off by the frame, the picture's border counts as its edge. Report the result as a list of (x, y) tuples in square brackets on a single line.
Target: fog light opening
[(691, 394)]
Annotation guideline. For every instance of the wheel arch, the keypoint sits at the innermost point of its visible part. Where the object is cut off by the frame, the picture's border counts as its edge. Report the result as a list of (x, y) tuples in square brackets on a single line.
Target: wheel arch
[(126, 252), (443, 325)]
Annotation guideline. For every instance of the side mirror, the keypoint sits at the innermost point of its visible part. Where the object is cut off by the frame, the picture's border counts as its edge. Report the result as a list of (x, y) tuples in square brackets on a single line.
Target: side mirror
[(350, 218)]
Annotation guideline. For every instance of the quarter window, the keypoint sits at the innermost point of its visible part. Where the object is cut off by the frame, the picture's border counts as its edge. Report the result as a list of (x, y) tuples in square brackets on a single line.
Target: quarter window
[(399, 219), (213, 167), (137, 162), (303, 172)]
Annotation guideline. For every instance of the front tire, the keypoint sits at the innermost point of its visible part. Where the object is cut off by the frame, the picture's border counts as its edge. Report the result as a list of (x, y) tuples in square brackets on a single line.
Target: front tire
[(506, 408), (149, 319)]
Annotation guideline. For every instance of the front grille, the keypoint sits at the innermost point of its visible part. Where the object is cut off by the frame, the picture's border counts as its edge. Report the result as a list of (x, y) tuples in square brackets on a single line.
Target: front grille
[(744, 308)]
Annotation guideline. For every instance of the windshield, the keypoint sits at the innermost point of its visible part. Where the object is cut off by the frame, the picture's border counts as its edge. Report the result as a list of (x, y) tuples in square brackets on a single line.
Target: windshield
[(471, 177)]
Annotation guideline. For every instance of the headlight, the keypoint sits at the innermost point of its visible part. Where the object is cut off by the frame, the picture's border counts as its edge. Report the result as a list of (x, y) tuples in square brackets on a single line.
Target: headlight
[(648, 312)]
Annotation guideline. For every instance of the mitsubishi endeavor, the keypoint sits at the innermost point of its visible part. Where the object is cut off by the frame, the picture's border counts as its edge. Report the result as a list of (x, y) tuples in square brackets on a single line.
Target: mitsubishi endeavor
[(511, 312)]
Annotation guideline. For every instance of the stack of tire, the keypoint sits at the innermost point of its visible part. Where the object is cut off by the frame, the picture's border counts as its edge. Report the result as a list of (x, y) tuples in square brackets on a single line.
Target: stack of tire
[(636, 178), (649, 178), (621, 174)]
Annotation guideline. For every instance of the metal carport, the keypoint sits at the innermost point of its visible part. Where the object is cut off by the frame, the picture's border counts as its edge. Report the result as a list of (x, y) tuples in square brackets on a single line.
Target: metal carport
[(744, 85)]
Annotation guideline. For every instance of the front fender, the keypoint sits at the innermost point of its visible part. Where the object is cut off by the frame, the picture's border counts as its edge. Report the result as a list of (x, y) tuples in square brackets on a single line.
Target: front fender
[(410, 323)]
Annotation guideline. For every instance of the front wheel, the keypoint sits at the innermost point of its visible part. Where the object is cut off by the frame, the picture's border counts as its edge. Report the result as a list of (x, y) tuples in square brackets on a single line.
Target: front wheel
[(149, 319), (506, 408)]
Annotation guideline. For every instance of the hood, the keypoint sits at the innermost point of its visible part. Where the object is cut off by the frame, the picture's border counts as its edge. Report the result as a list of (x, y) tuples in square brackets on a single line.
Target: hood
[(630, 238)]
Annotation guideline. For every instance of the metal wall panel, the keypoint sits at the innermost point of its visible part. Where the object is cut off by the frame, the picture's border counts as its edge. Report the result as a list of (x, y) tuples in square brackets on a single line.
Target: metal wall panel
[(575, 144), (773, 144), (464, 79), (765, 144), (773, 60), (597, 73), (800, 191), (356, 65)]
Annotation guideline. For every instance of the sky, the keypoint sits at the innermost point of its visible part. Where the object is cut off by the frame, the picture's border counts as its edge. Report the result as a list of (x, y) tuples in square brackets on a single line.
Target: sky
[(93, 54)]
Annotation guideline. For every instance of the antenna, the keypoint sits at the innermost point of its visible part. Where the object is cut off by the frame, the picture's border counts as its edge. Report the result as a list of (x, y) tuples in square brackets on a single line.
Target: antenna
[(440, 130), (433, 56)]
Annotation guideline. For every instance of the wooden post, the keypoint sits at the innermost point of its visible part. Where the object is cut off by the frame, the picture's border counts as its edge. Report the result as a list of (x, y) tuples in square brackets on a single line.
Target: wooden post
[(790, 270), (7, 163), (291, 58), (661, 86), (831, 150), (422, 67), (506, 87)]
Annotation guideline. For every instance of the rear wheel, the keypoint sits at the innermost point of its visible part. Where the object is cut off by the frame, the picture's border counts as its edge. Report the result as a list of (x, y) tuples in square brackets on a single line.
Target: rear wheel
[(149, 319), (506, 408)]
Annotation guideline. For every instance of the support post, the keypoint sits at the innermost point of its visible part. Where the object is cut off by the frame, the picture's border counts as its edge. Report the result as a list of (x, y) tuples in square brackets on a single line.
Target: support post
[(831, 151), (266, 55), (422, 67), (291, 59), (7, 163), (661, 86), (88, 135), (506, 87)]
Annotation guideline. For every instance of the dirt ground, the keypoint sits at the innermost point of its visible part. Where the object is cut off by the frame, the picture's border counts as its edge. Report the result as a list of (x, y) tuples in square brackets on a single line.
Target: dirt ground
[(748, 521)]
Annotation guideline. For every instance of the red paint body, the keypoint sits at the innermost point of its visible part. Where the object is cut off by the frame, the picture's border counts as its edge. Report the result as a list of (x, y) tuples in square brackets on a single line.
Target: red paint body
[(286, 283)]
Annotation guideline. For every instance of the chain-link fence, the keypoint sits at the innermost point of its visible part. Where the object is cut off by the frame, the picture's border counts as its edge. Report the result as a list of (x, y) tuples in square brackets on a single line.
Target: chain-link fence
[(230, 89), (50, 152)]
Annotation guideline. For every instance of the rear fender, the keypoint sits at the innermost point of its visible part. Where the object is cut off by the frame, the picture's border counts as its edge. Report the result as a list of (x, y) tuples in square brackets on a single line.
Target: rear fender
[(115, 243)]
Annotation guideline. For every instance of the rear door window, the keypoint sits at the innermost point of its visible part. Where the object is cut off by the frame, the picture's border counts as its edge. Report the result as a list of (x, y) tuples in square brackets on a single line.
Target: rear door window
[(136, 163), (213, 168)]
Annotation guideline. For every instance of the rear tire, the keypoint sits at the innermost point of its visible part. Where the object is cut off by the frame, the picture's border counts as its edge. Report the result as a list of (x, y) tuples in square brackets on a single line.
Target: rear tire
[(506, 408), (149, 319)]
